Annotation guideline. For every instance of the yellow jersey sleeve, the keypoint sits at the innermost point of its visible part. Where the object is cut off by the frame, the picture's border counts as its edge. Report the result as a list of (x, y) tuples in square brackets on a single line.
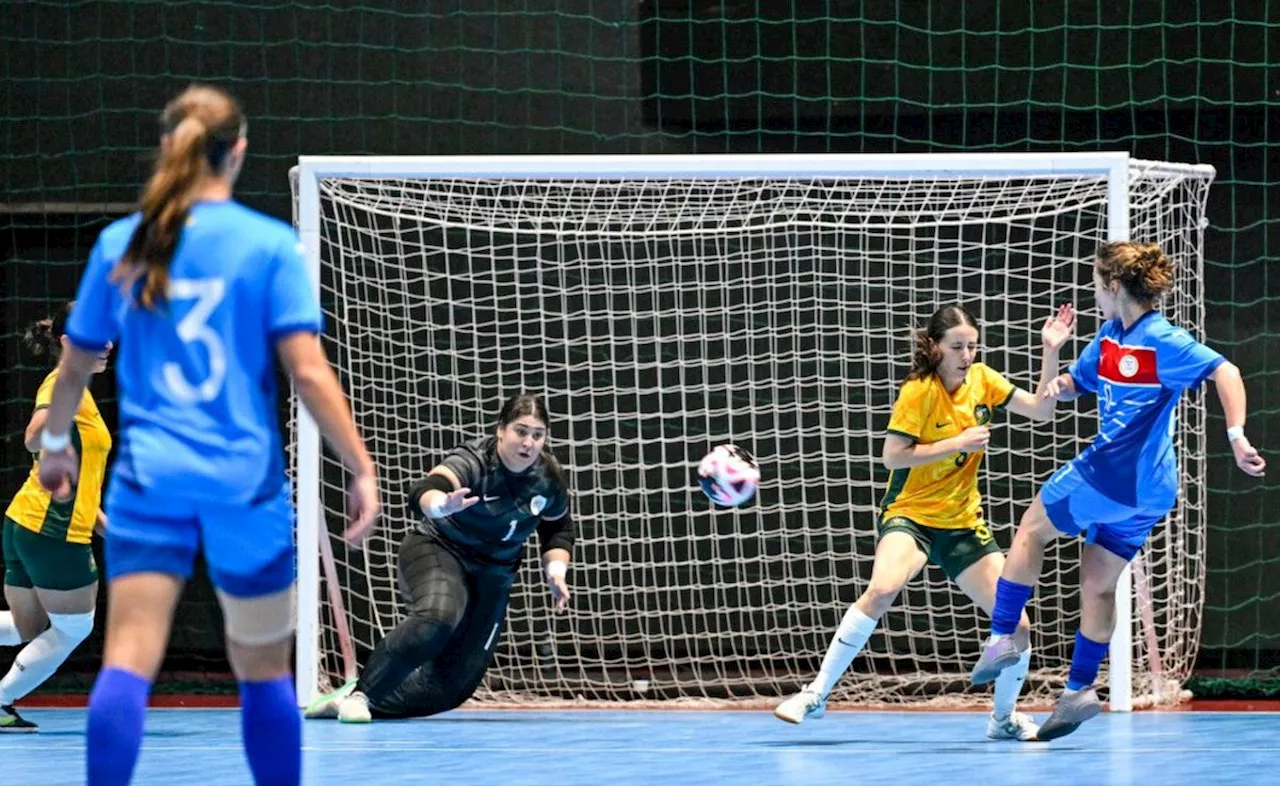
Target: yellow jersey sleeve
[(910, 410), (997, 389), (44, 396)]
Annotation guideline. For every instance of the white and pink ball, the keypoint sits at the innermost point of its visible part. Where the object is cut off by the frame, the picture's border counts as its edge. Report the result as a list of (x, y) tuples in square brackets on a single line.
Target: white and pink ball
[(729, 475)]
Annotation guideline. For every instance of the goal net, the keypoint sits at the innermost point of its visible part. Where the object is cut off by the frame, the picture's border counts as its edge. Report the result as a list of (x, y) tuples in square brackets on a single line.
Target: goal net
[(665, 305)]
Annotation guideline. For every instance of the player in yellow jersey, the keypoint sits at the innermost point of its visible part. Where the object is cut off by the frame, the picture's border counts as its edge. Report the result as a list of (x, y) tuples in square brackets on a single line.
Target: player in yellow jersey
[(932, 511), (50, 578)]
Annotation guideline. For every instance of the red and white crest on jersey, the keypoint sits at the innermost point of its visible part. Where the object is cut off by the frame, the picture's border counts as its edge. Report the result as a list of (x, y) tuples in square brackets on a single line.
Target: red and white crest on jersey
[(1127, 365)]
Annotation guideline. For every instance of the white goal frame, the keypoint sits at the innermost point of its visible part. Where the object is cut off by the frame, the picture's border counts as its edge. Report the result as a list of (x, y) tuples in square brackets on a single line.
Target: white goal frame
[(311, 170)]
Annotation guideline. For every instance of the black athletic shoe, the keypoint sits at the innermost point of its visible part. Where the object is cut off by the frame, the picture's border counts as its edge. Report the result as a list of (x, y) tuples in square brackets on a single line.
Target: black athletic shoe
[(13, 723)]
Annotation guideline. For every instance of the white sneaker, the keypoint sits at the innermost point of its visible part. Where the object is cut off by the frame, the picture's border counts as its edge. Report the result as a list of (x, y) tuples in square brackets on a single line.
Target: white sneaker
[(805, 704), (326, 707), (1017, 726), (355, 709)]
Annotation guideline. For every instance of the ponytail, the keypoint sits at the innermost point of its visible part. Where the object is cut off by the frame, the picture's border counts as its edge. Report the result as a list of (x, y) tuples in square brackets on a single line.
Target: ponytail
[(43, 338), (925, 355), (200, 127), (164, 206)]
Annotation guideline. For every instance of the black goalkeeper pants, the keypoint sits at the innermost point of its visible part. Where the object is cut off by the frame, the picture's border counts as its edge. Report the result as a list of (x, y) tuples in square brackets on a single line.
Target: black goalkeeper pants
[(436, 657)]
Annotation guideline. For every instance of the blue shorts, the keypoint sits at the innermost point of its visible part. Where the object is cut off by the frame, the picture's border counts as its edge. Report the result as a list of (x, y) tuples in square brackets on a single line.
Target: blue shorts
[(1076, 508), (248, 548)]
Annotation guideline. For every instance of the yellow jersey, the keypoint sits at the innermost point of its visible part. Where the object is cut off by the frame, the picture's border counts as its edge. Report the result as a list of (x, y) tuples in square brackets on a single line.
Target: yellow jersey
[(33, 507), (944, 493)]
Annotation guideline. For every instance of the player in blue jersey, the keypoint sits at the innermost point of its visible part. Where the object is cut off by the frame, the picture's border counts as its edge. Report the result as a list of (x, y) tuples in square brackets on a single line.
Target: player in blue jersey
[(201, 295), (1124, 483)]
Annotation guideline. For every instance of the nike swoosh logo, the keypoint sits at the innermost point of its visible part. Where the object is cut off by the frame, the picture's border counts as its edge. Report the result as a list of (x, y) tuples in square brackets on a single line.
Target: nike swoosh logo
[(488, 498), (941, 425)]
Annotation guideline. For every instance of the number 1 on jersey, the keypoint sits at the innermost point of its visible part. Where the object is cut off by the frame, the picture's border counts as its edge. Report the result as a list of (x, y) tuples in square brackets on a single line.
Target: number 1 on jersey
[(511, 529)]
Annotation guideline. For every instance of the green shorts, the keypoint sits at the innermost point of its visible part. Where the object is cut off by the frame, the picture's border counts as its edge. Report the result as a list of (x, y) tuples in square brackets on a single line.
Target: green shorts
[(953, 550), (35, 560)]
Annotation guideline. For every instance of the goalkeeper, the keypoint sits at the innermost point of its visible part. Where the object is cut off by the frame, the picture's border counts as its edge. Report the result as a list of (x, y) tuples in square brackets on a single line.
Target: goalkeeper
[(479, 506)]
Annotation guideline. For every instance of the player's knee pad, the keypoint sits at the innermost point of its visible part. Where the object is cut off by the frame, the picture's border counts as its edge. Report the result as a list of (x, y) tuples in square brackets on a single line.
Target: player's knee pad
[(422, 634), (444, 608), (73, 627), (267, 619)]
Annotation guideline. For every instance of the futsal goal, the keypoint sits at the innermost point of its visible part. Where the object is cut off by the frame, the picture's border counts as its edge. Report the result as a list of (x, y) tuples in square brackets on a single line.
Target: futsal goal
[(667, 304)]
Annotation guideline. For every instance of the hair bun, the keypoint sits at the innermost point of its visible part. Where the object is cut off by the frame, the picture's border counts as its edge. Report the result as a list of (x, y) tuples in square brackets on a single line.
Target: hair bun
[(39, 338)]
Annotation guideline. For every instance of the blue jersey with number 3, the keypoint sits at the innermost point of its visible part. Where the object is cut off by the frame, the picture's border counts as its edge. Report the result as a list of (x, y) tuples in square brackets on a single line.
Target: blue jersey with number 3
[(196, 376), (1139, 375)]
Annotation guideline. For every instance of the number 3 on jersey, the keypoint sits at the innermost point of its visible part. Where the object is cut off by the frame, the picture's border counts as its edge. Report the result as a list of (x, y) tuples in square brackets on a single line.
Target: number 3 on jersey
[(208, 293)]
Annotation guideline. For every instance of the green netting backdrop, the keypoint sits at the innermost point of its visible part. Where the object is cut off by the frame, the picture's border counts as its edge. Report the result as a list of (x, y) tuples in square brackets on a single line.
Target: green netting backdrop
[(1182, 80)]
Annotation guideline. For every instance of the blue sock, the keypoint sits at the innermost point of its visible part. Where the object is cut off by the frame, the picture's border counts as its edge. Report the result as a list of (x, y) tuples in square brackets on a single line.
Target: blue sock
[(117, 710), (1085, 661), (272, 729), (1011, 598)]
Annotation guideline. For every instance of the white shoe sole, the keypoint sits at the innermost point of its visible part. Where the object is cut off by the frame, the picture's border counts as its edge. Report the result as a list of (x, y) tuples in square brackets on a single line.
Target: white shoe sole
[(778, 713), (363, 715)]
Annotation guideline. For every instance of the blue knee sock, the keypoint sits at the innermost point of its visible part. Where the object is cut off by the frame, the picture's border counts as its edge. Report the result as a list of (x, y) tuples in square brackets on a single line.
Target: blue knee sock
[(117, 709), (272, 729), (1011, 598), (1085, 661)]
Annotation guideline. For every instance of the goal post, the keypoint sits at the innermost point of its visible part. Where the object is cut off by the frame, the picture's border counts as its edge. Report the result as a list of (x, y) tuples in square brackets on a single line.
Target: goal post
[(664, 304)]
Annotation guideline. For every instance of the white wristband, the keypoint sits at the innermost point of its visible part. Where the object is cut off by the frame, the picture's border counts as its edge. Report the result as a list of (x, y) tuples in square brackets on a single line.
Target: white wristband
[(1234, 433), (54, 444), (435, 511), (557, 569)]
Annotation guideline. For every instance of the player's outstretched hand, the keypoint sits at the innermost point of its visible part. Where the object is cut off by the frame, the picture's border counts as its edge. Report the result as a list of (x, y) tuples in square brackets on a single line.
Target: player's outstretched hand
[(363, 505), (58, 472), (559, 593), (455, 501), (1248, 459), (1057, 329)]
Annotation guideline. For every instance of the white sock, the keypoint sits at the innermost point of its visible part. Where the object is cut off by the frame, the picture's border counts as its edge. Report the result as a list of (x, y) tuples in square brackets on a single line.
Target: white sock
[(849, 640), (35, 663), (1009, 685), (9, 635)]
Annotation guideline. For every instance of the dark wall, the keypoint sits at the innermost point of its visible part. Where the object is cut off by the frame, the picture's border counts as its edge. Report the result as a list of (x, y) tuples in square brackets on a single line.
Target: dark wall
[(1184, 81), (818, 66), (83, 86)]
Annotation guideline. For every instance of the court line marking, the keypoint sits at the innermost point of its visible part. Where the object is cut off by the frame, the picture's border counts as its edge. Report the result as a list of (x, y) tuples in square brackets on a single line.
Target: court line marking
[(853, 749)]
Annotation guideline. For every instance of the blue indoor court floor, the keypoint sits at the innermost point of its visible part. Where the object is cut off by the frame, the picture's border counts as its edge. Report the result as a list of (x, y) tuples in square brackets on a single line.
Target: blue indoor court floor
[(589, 747)]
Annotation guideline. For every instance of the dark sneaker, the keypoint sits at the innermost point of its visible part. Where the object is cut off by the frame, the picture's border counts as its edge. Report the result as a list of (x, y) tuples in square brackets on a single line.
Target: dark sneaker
[(998, 654), (1071, 710), (13, 723)]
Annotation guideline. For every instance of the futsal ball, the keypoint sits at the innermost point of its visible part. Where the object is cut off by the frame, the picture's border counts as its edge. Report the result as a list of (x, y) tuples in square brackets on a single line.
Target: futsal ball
[(728, 475)]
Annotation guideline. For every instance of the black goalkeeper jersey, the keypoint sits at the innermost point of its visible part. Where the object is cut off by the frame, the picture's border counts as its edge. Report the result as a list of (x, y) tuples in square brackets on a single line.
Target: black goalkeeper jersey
[(511, 506)]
